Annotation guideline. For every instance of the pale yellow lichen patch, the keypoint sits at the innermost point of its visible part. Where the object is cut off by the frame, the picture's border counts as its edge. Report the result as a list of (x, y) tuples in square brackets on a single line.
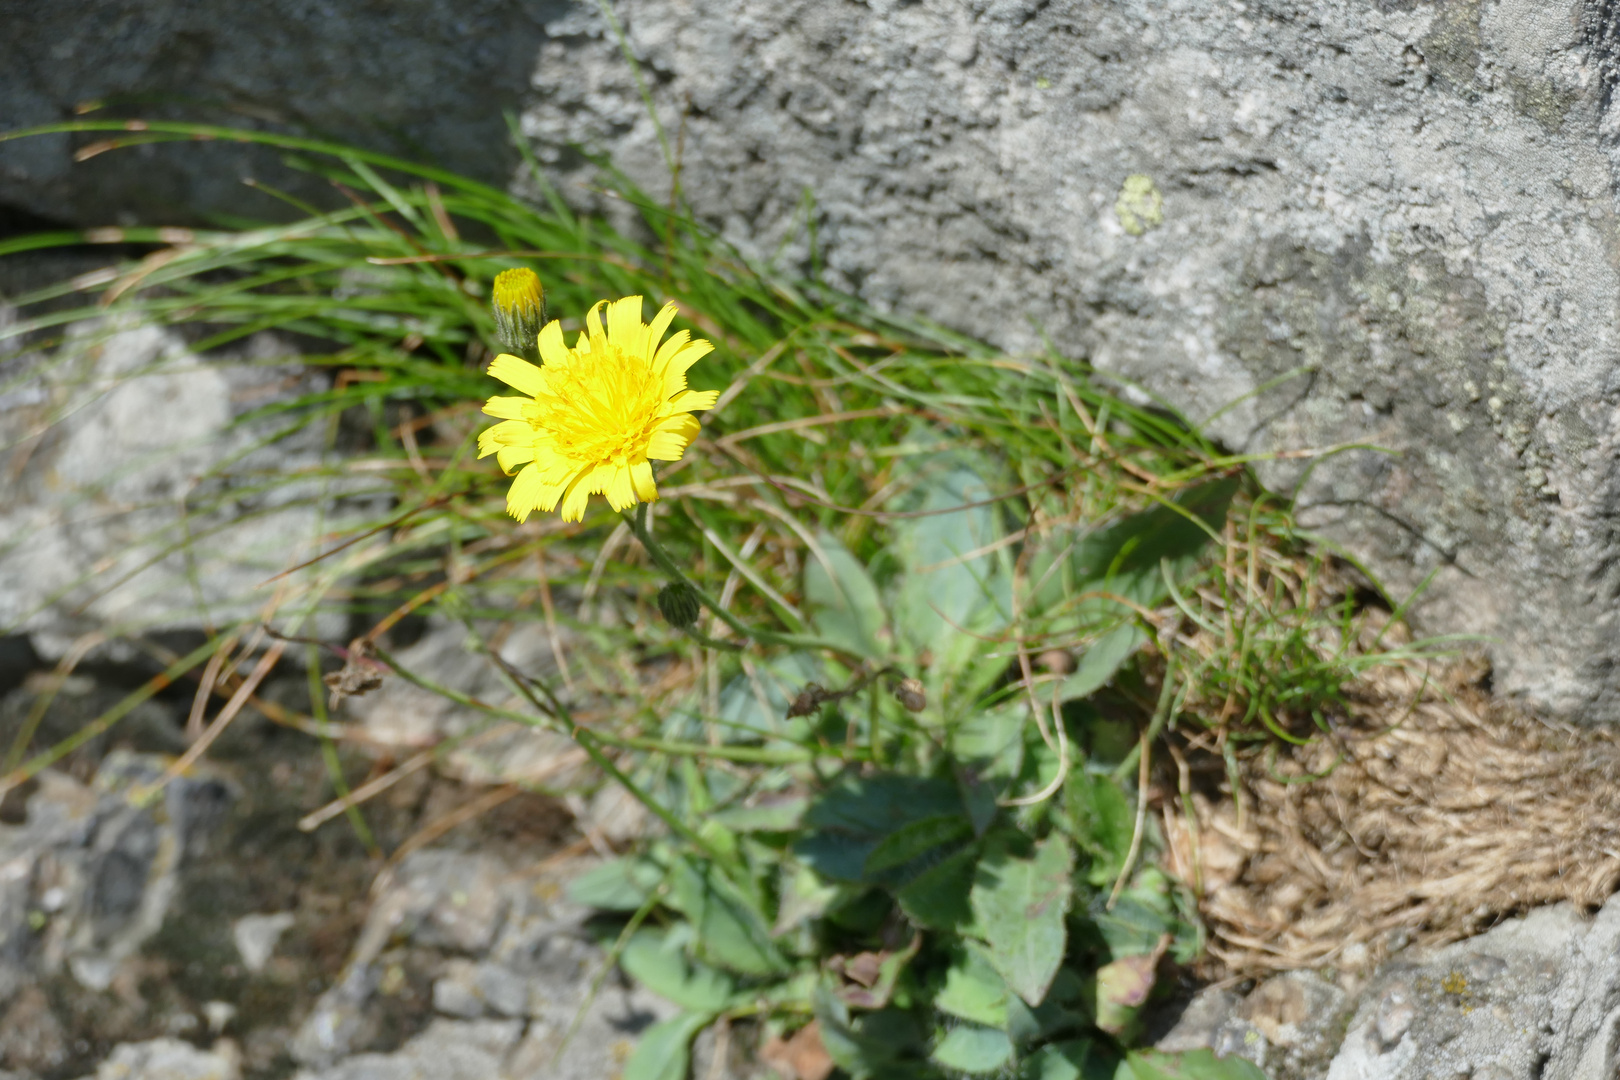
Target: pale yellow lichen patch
[(1139, 207)]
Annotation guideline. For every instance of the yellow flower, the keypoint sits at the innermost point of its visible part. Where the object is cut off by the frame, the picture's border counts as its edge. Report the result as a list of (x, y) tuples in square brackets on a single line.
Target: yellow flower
[(595, 416)]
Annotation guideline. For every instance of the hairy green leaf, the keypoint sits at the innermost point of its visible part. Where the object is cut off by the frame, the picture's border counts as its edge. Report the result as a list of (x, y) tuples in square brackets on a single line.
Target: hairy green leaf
[(974, 1050), (844, 604), (665, 1049), (1020, 904), (662, 967)]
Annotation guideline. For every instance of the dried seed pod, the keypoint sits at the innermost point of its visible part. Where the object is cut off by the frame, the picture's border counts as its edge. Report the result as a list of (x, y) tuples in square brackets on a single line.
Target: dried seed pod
[(909, 693)]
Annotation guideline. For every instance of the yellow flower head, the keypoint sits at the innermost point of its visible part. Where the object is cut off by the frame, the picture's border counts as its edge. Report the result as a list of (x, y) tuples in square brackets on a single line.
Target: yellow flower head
[(520, 307), (595, 416)]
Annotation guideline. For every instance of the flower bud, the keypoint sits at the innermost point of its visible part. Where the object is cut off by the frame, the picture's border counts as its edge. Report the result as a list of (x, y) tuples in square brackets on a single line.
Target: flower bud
[(679, 604), (520, 309), (910, 695)]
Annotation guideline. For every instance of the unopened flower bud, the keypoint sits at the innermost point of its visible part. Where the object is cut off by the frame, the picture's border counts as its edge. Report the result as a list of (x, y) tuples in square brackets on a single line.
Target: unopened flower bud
[(520, 309), (910, 694), (679, 604)]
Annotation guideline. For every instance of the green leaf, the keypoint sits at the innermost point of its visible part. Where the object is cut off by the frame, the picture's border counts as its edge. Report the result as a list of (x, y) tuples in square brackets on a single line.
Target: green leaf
[(1124, 557), (730, 931), (915, 847), (1192, 1065), (974, 1050), (1123, 987), (938, 897), (989, 747), (1075, 1059), (870, 1046), (843, 603), (972, 989), (803, 896), (1020, 904), (1099, 662), (659, 964), (769, 815), (665, 1049), (617, 885), (1101, 819), (941, 591), (1051, 1017), (1144, 913), (852, 817)]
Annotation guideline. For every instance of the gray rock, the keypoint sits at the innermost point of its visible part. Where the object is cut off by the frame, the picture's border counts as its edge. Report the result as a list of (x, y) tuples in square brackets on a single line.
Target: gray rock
[(97, 509), (1411, 202), (89, 877), (447, 1050), (256, 937), (507, 1005), (424, 78), (487, 751), (1536, 998), (169, 1059), (470, 989)]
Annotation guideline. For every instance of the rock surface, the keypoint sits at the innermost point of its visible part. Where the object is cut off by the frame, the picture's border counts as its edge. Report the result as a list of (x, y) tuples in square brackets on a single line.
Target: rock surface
[(133, 495), (423, 78), (1304, 223), (1536, 998)]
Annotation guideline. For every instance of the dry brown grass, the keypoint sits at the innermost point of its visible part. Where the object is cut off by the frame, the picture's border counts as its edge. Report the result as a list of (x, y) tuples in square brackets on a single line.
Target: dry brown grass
[(1440, 813)]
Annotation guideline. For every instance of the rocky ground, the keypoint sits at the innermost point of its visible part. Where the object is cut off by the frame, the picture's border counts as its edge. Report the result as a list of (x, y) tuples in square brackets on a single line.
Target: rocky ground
[(202, 934)]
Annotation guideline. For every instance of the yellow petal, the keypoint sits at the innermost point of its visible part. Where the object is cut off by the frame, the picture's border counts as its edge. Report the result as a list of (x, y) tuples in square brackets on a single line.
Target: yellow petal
[(510, 457), (683, 424), (520, 498), (690, 355), (579, 493), (548, 495), (624, 323), (621, 489), (505, 433), (669, 441), (669, 348), (506, 408), (552, 349), (593, 333), (694, 400), (642, 477), (656, 328), (517, 373)]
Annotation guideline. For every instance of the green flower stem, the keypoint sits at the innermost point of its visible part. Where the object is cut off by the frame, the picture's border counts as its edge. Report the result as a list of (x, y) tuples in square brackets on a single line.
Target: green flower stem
[(637, 520)]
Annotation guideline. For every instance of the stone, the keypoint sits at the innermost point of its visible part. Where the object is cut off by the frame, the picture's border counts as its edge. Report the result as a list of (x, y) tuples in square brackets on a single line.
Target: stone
[(256, 937), (447, 1050), (521, 983), (422, 78), (169, 1059), (1536, 998), (97, 500), (88, 877), (31, 1037), (1302, 223)]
